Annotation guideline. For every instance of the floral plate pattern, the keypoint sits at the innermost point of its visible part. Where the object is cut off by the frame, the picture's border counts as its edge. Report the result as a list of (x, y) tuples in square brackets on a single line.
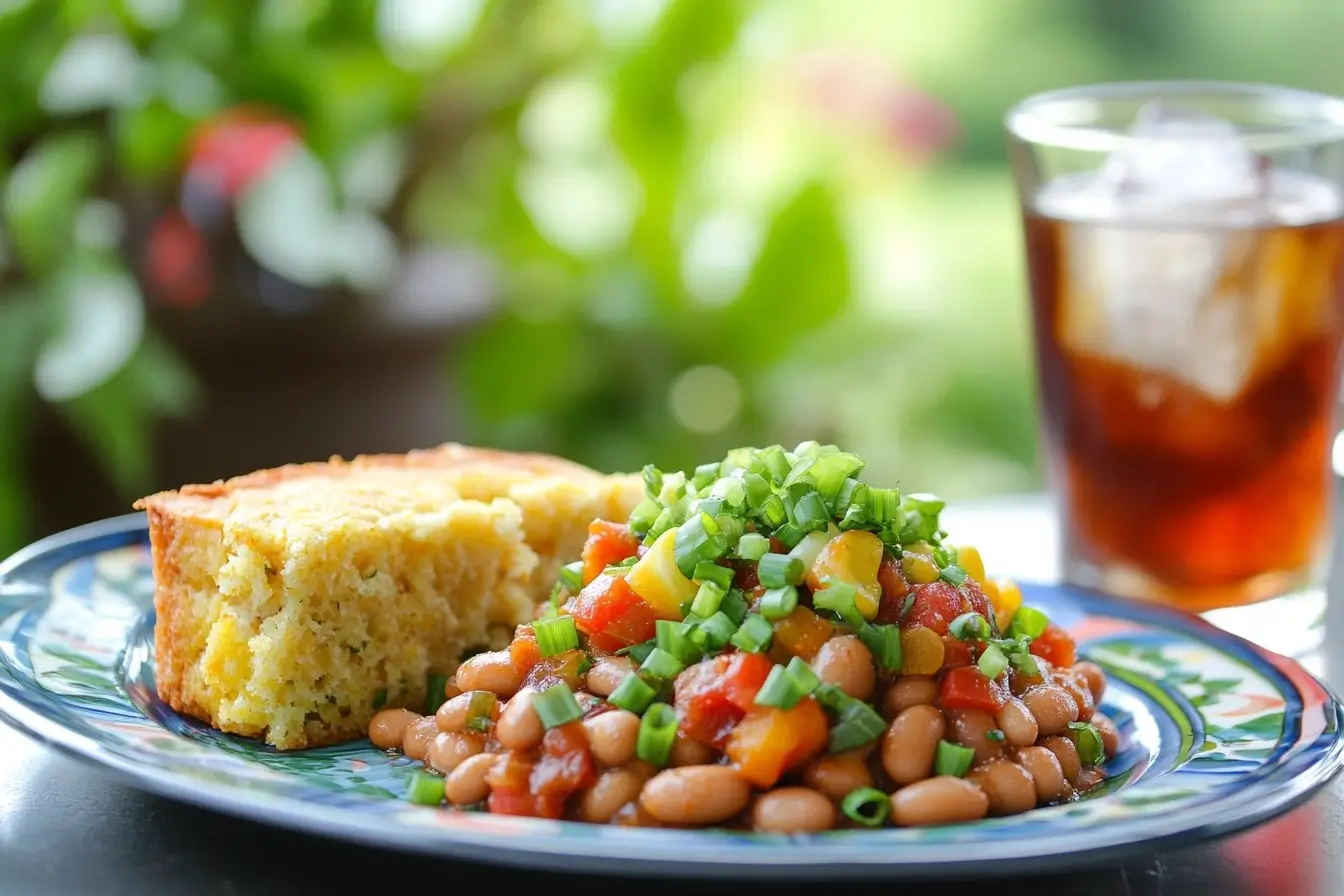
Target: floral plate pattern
[(1218, 736)]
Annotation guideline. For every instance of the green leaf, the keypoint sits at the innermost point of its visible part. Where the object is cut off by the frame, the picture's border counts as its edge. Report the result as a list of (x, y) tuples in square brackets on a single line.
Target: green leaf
[(799, 283), (516, 367), (149, 140), (44, 194)]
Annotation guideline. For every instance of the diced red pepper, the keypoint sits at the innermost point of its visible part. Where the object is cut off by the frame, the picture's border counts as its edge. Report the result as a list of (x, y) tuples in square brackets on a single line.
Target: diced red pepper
[(511, 793), (975, 600), (936, 605), (956, 653), (611, 614), (894, 590), (966, 687), (769, 742), (1055, 646), (566, 765), (523, 650), (712, 696), (607, 544)]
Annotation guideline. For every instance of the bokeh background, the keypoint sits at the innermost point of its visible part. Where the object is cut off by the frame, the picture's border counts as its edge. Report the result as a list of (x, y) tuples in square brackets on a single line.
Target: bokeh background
[(236, 234)]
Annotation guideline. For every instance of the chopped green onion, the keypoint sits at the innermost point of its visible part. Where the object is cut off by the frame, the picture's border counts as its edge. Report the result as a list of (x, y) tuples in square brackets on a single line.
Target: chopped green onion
[(754, 635), (970, 627), (941, 557), (713, 572), (556, 706), (756, 489), (838, 598), (789, 535), (992, 662), (426, 789), (831, 697), (1025, 663), (812, 448), (734, 606), (810, 513), (1028, 621), (924, 504), (633, 693), (995, 735), (775, 462), (753, 546), (380, 699), (666, 520), (1088, 740), (953, 575), (675, 638), (704, 475), (698, 540), (952, 759), (653, 481), (555, 636), (803, 674), (773, 512), (730, 490), (644, 515), (858, 724), (709, 506), (828, 474), (638, 652), (660, 665), (737, 459), (657, 734), (809, 549), (884, 643), (716, 632), (851, 492), (481, 711), (778, 602), (707, 599), (867, 806), (780, 690), (780, 570), (732, 528), (620, 566), (856, 517), (435, 689), (571, 576), (883, 504), (908, 604)]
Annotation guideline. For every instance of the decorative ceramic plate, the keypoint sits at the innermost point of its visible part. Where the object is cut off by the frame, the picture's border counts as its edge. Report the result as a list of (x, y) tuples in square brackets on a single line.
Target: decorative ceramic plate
[(1217, 735)]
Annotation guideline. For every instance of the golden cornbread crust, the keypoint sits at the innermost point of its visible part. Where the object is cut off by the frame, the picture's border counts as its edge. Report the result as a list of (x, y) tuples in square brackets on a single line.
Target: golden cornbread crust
[(289, 601)]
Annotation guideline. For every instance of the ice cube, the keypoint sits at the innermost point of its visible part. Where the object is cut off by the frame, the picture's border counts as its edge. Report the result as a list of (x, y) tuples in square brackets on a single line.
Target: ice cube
[(1165, 265)]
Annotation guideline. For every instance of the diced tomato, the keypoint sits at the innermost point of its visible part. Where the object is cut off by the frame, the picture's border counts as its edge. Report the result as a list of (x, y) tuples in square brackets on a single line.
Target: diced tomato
[(769, 742), (777, 546), (956, 653), (974, 598), (1055, 646), (802, 633), (936, 605), (566, 765), (523, 650), (611, 614), (966, 687), (713, 695), (607, 544), (561, 668), (511, 793), (894, 590)]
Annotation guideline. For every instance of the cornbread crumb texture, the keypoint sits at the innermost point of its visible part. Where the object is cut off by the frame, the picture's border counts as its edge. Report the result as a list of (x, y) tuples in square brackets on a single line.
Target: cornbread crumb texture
[(289, 600)]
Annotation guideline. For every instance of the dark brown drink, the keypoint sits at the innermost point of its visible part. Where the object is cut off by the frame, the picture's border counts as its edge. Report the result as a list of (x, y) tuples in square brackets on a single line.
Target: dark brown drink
[(1189, 381)]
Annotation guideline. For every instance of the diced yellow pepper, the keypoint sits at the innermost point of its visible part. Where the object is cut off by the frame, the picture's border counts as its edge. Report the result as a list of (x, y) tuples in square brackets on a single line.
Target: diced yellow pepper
[(853, 558), (968, 558), (921, 651), (919, 569), (656, 578), (1005, 597)]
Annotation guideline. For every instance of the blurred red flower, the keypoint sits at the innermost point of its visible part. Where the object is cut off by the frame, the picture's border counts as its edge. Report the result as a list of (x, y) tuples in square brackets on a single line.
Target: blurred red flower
[(177, 262), (232, 149)]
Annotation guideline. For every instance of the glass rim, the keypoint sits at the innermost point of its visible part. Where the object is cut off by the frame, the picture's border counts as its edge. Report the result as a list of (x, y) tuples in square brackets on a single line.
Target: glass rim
[(1321, 114)]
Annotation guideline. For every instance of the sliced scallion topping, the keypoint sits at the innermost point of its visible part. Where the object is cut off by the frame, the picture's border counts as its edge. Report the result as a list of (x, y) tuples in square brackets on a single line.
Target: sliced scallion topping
[(481, 711), (734, 606), (708, 598), (810, 513), (754, 634), (426, 789), (675, 638), (781, 690), (653, 481), (571, 576), (1025, 663), (716, 632), (772, 512), (753, 546), (633, 694), (643, 516), (884, 643), (831, 697), (867, 806), (704, 475), (829, 473), (755, 489), (778, 602), (555, 636), (709, 506), (838, 598), (970, 627), (698, 540), (857, 725), (780, 570), (435, 689), (730, 490), (992, 662), (882, 504), (995, 735), (638, 652), (380, 699), (657, 734), (775, 463), (803, 674), (556, 706), (809, 549), (789, 535), (661, 665), (1028, 621), (851, 492), (953, 575), (713, 572), (1087, 739), (952, 759), (666, 519)]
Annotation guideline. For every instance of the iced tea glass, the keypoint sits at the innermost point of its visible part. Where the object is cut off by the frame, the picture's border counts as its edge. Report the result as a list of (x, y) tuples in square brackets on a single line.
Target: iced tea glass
[(1184, 245)]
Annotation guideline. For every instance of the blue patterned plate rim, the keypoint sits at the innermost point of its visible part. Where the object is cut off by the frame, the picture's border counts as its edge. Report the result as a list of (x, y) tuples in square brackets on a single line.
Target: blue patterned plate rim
[(1195, 768)]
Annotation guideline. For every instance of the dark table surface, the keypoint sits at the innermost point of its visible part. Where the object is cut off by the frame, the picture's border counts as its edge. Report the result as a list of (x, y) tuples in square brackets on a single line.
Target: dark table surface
[(68, 828)]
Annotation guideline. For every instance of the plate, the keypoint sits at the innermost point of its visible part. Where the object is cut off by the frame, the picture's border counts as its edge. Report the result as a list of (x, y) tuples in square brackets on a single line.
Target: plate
[(1218, 735)]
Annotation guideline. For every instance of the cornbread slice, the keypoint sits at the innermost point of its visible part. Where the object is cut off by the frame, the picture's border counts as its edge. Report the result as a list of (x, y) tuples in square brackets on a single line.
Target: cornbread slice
[(289, 601)]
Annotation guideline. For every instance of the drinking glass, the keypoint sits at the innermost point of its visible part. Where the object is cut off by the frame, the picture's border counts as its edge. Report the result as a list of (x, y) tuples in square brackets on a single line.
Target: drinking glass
[(1184, 243)]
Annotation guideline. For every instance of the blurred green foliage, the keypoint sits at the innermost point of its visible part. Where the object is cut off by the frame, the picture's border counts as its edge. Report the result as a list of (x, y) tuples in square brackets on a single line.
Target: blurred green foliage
[(715, 222)]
